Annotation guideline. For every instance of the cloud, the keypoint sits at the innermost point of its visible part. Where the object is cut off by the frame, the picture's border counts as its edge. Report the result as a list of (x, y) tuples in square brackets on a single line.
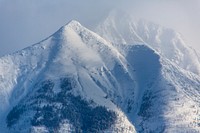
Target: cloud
[(181, 15), (24, 22)]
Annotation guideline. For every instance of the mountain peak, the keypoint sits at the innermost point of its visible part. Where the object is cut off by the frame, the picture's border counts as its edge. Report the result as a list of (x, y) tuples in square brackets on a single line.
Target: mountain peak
[(167, 42), (73, 23), (76, 81)]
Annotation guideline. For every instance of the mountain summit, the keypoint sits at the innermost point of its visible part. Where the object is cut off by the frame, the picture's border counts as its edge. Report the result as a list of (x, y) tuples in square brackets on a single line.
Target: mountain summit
[(77, 81), (165, 41)]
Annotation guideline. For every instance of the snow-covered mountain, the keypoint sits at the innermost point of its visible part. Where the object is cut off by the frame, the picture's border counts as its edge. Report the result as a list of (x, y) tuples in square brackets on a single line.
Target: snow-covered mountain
[(62, 84), (121, 28), (140, 78)]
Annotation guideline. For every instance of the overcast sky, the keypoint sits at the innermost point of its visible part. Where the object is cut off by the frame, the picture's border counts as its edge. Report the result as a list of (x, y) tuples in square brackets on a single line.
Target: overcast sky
[(25, 22)]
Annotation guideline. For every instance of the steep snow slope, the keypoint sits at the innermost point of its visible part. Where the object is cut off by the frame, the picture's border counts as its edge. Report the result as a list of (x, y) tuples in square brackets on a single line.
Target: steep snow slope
[(120, 28), (75, 81), (166, 97), (73, 52)]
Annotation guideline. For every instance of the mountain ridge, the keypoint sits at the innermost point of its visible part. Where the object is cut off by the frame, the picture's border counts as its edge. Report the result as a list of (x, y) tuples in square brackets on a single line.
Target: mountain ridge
[(146, 90), (165, 41)]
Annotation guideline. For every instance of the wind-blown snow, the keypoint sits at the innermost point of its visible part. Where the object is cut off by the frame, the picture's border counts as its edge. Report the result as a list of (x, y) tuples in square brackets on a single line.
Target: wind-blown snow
[(146, 74), (166, 42)]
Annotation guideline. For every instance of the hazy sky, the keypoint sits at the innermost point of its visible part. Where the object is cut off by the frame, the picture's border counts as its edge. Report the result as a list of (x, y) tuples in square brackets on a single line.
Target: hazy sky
[(25, 22)]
